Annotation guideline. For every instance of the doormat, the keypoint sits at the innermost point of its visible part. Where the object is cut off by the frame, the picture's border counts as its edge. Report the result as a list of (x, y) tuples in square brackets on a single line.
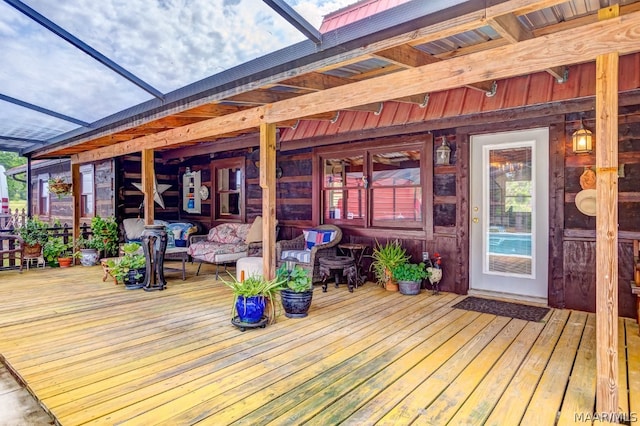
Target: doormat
[(505, 309)]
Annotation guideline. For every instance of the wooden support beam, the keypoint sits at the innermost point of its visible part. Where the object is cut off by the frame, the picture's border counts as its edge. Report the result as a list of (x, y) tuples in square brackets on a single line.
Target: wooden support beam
[(148, 184), (77, 198), (510, 28), (607, 226), (502, 62), (268, 185)]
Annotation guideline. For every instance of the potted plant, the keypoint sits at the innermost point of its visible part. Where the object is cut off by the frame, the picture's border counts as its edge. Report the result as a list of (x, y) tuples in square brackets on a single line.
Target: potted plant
[(34, 234), (57, 252), (409, 277), (59, 186), (105, 232), (250, 298), (297, 290), (87, 250), (130, 269), (385, 259)]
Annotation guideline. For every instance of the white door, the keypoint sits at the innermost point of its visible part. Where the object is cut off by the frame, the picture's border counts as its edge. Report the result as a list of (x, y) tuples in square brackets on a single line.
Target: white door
[(509, 214)]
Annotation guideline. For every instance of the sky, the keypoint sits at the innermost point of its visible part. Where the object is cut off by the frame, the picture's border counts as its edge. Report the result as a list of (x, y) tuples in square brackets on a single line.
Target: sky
[(166, 43)]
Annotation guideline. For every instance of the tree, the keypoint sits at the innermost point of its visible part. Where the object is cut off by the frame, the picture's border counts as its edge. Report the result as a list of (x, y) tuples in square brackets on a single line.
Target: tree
[(17, 190)]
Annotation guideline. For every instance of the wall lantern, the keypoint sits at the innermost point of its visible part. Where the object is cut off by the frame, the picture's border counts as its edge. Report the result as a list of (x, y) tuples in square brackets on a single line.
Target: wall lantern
[(582, 140), (443, 152)]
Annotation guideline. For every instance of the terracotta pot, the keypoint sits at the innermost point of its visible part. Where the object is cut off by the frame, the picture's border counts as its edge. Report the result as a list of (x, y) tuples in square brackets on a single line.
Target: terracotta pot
[(65, 262), (391, 286)]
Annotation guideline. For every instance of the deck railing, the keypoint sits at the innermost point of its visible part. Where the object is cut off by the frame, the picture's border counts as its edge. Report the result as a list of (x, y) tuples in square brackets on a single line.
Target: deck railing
[(10, 223)]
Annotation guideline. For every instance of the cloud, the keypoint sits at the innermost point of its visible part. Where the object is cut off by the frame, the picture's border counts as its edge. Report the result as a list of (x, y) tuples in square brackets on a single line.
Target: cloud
[(167, 43)]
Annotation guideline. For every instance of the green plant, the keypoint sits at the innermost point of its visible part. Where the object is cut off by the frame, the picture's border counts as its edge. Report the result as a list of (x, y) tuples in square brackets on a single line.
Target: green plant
[(88, 243), (34, 231), (254, 285), (105, 232), (55, 248), (297, 280), (386, 258), (410, 272), (132, 260)]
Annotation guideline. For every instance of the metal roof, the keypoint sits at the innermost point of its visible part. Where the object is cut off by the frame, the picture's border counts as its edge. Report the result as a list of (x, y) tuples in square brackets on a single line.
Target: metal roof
[(352, 49)]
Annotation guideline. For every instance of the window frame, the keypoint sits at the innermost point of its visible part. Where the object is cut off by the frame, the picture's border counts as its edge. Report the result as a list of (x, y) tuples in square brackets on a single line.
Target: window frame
[(42, 181), (228, 163), (87, 169), (422, 143)]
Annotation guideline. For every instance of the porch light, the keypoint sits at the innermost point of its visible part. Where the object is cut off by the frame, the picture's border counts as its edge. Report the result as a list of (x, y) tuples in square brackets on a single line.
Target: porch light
[(443, 152), (582, 140)]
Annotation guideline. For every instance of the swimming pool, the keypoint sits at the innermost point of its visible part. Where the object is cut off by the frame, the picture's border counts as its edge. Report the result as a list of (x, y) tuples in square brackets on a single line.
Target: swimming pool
[(510, 243)]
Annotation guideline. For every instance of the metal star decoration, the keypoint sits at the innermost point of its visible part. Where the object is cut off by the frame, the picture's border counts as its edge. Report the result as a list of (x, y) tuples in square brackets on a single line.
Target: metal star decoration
[(158, 189)]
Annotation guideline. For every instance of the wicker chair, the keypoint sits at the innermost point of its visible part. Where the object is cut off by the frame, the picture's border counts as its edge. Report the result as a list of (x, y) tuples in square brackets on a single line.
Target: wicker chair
[(318, 251)]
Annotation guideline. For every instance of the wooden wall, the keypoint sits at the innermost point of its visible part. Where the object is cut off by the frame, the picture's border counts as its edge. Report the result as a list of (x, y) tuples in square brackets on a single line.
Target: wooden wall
[(61, 209), (571, 234), (579, 244), (130, 198)]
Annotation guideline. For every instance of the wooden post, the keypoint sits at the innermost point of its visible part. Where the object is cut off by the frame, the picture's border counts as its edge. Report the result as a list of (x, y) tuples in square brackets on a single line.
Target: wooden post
[(29, 189), (607, 226), (148, 184), (268, 185), (77, 199)]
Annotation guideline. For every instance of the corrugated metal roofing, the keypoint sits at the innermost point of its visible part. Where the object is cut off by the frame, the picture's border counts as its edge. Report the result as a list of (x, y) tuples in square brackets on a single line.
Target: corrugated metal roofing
[(534, 89), (356, 12)]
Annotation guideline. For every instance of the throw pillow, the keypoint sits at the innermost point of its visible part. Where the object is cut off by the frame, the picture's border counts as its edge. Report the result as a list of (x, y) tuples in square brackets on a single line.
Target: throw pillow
[(314, 237), (255, 232)]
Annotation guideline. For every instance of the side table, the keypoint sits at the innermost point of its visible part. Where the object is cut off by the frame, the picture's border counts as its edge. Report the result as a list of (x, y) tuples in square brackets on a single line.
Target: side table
[(177, 253), (339, 265), (356, 252)]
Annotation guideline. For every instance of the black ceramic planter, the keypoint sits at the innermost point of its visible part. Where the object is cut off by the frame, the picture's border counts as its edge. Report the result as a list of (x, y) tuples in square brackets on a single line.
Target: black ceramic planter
[(131, 282), (296, 305)]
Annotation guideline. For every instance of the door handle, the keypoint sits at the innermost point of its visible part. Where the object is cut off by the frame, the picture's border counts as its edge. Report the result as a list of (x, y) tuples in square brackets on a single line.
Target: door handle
[(476, 220)]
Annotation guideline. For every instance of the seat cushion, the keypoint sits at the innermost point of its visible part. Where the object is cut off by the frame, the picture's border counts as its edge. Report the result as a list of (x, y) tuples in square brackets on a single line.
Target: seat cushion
[(303, 256), (212, 252)]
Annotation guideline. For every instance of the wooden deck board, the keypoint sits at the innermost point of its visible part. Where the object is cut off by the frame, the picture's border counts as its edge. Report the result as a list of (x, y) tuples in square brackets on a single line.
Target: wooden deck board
[(580, 395), (633, 367), (545, 403), (481, 402), (95, 353)]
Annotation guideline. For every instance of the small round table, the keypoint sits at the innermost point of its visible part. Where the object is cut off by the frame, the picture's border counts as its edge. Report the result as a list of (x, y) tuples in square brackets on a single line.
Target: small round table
[(339, 265)]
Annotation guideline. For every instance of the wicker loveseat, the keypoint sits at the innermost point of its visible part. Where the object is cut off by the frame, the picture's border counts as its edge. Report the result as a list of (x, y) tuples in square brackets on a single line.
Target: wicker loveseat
[(308, 252)]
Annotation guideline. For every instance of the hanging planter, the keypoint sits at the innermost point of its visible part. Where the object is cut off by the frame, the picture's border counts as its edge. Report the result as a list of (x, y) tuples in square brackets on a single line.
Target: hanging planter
[(59, 187)]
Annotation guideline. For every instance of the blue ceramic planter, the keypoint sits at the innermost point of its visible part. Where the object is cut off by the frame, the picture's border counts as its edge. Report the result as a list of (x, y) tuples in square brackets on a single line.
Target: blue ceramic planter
[(250, 309)]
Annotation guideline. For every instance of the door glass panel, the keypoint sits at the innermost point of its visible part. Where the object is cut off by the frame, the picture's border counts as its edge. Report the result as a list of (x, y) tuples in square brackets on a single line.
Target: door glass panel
[(508, 230)]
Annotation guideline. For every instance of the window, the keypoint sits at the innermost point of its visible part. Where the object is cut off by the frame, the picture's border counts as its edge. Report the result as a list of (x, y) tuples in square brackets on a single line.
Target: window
[(43, 195), (228, 175), (375, 185), (87, 191)]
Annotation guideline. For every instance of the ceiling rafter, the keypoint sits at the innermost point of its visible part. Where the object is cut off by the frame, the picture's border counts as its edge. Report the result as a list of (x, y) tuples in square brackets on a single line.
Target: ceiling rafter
[(510, 28), (409, 56)]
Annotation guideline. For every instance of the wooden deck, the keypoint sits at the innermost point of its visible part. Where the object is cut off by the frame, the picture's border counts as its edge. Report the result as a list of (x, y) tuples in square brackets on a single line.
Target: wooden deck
[(95, 353)]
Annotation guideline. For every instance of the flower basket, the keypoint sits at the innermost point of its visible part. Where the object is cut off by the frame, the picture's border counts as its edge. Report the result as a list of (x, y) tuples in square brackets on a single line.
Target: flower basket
[(59, 187)]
